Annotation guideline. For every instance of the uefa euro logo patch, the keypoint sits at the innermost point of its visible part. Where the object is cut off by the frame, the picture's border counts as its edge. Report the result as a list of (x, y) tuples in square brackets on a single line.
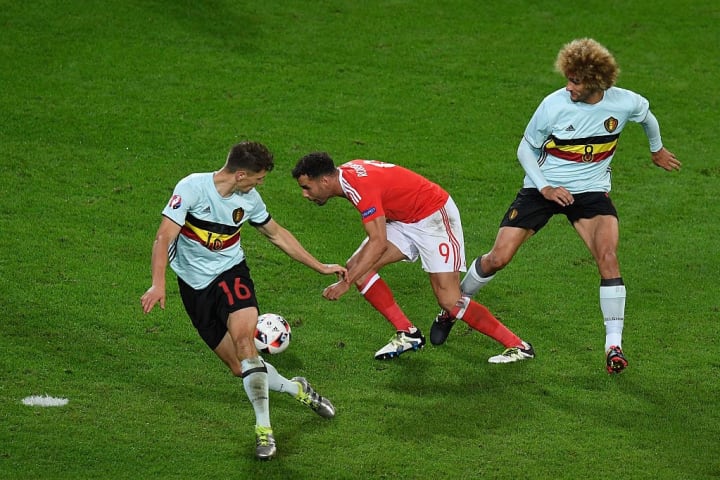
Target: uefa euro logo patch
[(175, 202)]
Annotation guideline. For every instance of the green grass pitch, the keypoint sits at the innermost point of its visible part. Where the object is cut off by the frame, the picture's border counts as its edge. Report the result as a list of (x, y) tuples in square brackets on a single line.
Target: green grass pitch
[(106, 105)]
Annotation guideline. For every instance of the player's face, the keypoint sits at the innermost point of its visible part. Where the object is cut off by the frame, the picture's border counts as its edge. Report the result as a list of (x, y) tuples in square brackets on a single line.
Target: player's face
[(314, 190), (247, 180), (579, 92)]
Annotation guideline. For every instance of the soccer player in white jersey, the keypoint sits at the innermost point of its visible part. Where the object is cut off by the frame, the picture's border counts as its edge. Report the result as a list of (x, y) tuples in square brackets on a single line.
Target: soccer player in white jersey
[(566, 152), (200, 237)]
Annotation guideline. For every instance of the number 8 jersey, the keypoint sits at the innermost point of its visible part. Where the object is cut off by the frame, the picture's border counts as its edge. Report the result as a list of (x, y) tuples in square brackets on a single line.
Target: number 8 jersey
[(578, 140)]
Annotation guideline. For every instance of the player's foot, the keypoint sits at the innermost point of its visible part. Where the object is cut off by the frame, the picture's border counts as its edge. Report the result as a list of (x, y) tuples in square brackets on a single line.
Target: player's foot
[(399, 343), (308, 396), (441, 327), (615, 360), (514, 354), (264, 443)]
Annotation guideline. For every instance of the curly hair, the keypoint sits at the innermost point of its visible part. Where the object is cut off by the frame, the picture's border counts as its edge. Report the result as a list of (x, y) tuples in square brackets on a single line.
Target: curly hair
[(588, 61)]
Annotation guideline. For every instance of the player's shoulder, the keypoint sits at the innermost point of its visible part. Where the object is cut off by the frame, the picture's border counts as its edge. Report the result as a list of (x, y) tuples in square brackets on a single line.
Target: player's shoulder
[(623, 100), (554, 102), (252, 196), (194, 187), (557, 96), (195, 179), (252, 201), (621, 94), (355, 169), (355, 164)]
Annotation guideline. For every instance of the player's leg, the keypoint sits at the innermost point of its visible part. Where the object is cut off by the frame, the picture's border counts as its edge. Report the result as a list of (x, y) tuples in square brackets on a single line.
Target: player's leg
[(227, 352), (241, 330), (527, 214), (297, 387), (226, 322), (441, 245), (377, 293), (478, 317), (232, 298), (237, 350), (601, 235), (484, 267)]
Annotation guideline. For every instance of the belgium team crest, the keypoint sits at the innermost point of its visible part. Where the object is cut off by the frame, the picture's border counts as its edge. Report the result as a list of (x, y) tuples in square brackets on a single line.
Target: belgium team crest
[(238, 215), (611, 124)]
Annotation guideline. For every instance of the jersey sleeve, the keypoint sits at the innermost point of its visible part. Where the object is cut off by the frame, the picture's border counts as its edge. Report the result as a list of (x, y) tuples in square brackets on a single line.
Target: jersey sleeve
[(640, 108), (183, 197), (538, 128), (259, 214), (528, 157), (368, 201)]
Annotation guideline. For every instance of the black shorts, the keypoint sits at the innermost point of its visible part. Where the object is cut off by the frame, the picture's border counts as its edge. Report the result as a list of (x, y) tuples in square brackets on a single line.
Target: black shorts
[(210, 307), (530, 210)]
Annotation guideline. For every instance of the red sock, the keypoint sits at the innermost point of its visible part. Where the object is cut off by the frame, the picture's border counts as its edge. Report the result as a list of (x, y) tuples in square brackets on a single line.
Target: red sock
[(480, 318), (379, 295)]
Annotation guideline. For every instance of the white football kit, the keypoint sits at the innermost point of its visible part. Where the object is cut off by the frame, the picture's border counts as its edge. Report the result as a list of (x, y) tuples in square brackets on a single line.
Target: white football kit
[(577, 141), (209, 241)]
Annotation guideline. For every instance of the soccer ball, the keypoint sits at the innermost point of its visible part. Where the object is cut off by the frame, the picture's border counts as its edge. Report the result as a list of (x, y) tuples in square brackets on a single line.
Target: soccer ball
[(272, 334)]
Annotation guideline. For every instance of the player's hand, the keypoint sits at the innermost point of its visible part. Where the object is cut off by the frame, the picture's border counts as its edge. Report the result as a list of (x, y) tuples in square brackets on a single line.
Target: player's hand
[(336, 290), (666, 160), (558, 195), (338, 270), (151, 297)]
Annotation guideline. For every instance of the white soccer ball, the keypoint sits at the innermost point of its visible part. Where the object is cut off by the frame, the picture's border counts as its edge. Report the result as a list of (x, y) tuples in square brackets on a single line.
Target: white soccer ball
[(272, 334)]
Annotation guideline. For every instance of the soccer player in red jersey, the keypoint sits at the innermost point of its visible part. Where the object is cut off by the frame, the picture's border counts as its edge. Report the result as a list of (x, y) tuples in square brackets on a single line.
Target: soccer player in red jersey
[(406, 217)]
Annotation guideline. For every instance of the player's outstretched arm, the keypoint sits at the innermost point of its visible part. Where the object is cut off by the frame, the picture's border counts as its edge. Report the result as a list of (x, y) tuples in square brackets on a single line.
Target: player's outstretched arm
[(286, 241)]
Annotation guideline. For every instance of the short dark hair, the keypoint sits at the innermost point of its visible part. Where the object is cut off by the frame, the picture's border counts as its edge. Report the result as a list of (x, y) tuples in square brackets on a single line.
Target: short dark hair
[(314, 165), (252, 156)]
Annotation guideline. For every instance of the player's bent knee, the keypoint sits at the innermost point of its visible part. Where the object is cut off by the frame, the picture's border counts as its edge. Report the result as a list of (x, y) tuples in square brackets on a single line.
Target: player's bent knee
[(494, 262), (607, 261)]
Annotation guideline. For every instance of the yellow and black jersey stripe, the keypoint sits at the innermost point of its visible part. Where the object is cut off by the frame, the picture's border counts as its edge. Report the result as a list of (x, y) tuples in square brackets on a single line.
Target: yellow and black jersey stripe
[(586, 150), (213, 236)]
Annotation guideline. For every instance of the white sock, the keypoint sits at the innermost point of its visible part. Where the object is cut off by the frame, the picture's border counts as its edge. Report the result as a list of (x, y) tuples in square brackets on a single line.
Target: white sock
[(278, 383), (612, 304), (255, 381), (473, 281)]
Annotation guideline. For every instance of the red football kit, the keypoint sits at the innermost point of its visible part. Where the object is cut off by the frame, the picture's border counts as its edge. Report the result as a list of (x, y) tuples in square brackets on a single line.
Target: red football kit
[(383, 189), (401, 195)]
